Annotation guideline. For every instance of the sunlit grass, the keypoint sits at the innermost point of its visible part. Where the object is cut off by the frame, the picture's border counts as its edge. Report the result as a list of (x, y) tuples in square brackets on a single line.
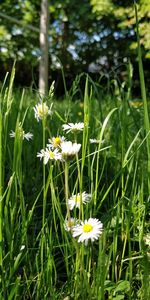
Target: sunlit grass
[(39, 258)]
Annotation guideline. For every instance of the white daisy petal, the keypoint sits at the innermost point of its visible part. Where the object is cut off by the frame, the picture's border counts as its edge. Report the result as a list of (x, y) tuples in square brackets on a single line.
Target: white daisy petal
[(41, 111), (95, 141), (20, 132), (90, 229), (48, 154), (41, 154), (12, 134), (69, 224), (69, 149), (77, 200), (55, 142), (73, 127), (28, 136)]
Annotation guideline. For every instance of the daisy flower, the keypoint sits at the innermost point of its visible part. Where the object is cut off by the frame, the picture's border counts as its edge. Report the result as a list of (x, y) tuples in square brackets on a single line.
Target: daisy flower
[(41, 154), (22, 247), (95, 141), (90, 229), (76, 200), (27, 136), (147, 239), (41, 111), (48, 154), (69, 224), (55, 142), (136, 104), (73, 127), (69, 149)]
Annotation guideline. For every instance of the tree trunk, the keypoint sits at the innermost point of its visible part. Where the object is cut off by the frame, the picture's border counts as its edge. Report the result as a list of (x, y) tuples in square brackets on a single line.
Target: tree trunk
[(43, 66)]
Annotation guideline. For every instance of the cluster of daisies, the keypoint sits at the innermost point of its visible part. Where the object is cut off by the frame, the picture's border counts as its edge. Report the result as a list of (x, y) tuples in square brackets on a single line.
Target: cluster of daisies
[(59, 149), (86, 230)]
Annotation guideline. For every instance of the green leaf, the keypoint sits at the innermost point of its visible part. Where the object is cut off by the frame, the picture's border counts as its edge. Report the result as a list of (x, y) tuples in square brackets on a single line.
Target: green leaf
[(118, 297), (123, 286)]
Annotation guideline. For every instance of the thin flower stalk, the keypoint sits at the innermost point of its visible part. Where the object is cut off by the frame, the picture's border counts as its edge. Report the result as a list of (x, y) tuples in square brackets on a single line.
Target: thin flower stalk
[(67, 190), (44, 200), (1, 193)]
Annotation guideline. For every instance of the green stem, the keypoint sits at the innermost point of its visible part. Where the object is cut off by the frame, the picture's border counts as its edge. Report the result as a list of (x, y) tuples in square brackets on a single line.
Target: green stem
[(67, 189), (143, 93), (1, 192), (44, 205), (44, 192), (80, 183)]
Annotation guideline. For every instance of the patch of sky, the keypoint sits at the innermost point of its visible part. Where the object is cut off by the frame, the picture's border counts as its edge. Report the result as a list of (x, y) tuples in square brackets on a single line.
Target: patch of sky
[(82, 37), (4, 50), (117, 34), (57, 25), (72, 50), (36, 52), (17, 31)]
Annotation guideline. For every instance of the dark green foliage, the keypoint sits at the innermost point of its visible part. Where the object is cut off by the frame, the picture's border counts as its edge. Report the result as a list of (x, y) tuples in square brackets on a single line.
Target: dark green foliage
[(92, 35)]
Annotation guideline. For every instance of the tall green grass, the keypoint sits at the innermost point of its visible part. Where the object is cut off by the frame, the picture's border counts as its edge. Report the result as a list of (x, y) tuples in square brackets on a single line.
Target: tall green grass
[(39, 259)]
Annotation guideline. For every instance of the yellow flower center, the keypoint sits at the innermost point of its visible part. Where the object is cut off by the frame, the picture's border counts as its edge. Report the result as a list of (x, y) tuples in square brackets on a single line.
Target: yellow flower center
[(56, 141), (78, 198), (87, 228), (136, 104), (21, 131), (71, 223), (81, 104), (51, 155)]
